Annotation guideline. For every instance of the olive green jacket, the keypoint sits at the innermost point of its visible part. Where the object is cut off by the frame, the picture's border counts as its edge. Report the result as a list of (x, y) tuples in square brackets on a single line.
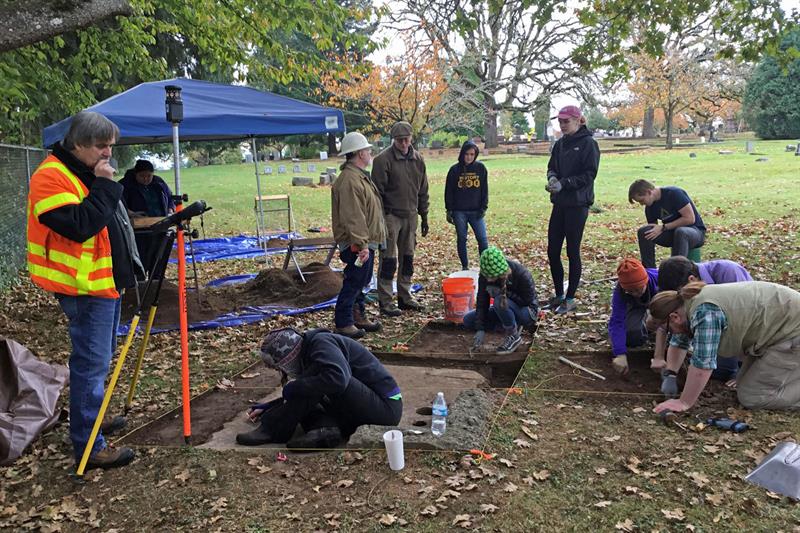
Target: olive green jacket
[(356, 209)]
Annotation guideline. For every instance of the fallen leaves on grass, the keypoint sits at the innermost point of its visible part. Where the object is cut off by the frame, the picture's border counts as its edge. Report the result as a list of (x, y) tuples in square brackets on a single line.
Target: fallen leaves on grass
[(506, 462), (600, 471), (510, 487), (529, 432), (701, 480), (344, 483), (675, 514), (183, 476), (387, 519), (522, 443), (250, 375), (614, 438), (603, 504), (714, 499), (462, 521), (487, 508), (224, 384), (626, 526), (430, 510)]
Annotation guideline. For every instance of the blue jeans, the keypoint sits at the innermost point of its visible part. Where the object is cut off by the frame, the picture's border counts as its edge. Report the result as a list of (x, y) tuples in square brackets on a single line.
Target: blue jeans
[(93, 325), (461, 219), (352, 293), (505, 319)]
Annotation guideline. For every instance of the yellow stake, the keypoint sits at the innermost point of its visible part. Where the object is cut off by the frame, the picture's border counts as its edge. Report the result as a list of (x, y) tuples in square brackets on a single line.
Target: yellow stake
[(107, 398), (151, 317)]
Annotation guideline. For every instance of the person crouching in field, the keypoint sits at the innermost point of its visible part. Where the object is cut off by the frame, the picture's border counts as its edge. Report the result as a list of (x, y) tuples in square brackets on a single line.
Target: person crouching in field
[(515, 303), (756, 321), (636, 286)]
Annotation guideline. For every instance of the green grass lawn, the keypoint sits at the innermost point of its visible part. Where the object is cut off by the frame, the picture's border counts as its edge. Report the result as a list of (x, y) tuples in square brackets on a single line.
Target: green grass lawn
[(727, 189)]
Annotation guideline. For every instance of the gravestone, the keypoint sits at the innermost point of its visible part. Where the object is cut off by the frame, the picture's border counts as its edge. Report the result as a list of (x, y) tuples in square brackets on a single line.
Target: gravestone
[(331, 171), (435, 145), (281, 169), (267, 170), (296, 169), (324, 178), (749, 147), (323, 156), (301, 182), (791, 147), (692, 155), (311, 167)]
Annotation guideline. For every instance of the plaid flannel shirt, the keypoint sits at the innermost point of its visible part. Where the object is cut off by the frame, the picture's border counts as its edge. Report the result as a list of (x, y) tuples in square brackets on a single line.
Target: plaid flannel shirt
[(706, 324)]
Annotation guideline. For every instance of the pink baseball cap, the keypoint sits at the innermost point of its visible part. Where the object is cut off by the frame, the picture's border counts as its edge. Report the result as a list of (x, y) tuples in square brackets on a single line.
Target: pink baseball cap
[(570, 111)]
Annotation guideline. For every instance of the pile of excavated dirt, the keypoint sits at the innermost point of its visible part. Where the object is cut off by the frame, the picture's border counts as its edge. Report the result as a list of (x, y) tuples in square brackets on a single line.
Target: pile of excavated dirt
[(270, 286)]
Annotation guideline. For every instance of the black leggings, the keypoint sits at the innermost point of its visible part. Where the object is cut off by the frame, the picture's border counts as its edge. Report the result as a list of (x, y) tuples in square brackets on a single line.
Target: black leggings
[(566, 222)]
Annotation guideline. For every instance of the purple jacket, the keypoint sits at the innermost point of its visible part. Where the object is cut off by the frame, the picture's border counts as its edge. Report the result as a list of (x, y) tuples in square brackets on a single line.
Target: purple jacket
[(619, 310), (722, 271)]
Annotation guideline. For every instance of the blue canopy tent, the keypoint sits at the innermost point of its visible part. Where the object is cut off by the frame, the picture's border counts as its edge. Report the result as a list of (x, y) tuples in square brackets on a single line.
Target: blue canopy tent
[(211, 111)]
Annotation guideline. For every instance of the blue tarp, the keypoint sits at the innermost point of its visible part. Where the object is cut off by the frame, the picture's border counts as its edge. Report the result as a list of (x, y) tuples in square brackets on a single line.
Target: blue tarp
[(211, 111), (240, 247), (250, 314)]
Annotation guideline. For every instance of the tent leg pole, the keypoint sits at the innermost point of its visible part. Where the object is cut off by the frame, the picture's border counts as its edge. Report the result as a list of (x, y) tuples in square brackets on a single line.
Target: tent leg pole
[(260, 216)]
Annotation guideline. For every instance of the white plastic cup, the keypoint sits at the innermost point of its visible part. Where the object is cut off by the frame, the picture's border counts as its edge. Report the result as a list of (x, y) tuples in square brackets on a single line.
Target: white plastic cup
[(394, 449)]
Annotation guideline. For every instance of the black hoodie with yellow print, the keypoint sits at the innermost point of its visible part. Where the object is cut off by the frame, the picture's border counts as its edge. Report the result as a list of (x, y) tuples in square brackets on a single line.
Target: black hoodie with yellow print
[(467, 187)]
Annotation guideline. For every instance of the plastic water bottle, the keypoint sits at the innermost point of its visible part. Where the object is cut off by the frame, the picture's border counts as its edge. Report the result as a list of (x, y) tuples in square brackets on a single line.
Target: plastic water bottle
[(439, 418)]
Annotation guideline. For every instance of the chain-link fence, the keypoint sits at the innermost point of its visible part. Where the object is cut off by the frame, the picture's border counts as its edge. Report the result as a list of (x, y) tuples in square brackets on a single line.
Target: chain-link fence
[(17, 163)]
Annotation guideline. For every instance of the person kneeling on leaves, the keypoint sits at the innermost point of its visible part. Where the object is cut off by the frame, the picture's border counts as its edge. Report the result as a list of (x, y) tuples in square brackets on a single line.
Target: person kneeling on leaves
[(515, 304), (336, 385), (636, 286)]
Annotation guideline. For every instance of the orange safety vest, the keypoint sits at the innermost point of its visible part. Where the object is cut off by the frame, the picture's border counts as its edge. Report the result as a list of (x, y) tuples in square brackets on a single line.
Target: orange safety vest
[(55, 263)]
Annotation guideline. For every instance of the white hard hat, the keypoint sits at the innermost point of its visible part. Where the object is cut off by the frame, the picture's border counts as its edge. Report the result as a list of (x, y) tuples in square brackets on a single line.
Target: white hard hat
[(353, 142)]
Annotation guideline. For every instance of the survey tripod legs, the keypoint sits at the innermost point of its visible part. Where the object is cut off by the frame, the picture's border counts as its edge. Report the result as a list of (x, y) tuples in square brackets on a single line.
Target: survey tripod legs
[(150, 300)]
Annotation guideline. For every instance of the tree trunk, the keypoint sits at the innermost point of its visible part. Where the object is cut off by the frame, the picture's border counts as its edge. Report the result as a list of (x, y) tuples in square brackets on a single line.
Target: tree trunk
[(332, 144), (28, 22), (648, 123), (668, 126), (490, 125)]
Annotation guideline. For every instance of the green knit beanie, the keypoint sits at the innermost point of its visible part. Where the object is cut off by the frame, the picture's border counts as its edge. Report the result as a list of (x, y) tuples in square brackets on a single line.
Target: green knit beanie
[(493, 264)]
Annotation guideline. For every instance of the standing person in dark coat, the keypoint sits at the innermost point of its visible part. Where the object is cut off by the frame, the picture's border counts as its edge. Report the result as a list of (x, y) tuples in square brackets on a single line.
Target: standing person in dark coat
[(570, 181), (144, 193), (336, 385), (515, 304), (466, 198)]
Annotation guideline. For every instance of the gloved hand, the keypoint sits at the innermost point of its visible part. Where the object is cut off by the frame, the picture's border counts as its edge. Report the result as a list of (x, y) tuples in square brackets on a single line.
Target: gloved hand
[(477, 341), (554, 186), (620, 364), (450, 218), (494, 291), (669, 383), (424, 225), (481, 214)]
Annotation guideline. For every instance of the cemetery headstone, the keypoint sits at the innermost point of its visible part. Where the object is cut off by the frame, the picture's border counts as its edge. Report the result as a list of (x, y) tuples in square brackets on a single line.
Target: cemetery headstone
[(312, 167), (323, 156), (301, 182), (692, 155), (281, 169), (267, 170), (296, 169), (749, 147)]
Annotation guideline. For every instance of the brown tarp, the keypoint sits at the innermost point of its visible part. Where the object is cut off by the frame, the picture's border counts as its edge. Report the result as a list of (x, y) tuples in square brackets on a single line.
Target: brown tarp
[(29, 391)]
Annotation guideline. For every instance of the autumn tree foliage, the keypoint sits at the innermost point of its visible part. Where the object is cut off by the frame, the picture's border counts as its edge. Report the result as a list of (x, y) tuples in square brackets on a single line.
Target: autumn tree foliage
[(409, 87)]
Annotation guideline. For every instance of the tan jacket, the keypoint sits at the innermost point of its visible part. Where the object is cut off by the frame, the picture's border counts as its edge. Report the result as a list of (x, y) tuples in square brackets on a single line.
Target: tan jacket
[(402, 182), (759, 315), (356, 209)]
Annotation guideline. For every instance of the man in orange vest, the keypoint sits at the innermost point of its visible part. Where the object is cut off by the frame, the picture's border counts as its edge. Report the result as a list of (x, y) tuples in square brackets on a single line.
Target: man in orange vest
[(81, 248)]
